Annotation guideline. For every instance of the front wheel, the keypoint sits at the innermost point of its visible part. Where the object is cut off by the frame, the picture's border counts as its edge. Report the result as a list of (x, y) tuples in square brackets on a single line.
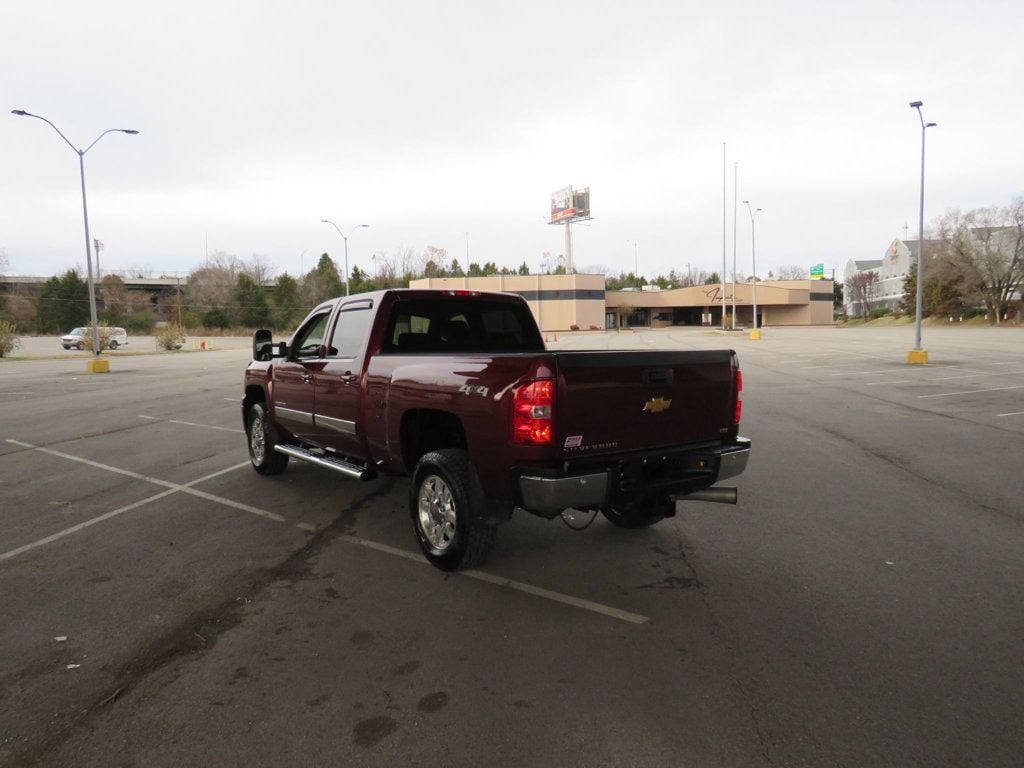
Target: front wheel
[(113, 343), (446, 502), (262, 438)]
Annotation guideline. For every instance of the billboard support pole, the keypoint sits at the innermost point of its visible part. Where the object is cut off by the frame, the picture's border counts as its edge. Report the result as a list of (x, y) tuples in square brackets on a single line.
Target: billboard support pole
[(568, 248)]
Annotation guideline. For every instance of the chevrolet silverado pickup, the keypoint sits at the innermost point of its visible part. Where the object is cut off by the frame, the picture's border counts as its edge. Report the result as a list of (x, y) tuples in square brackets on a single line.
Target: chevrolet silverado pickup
[(456, 390)]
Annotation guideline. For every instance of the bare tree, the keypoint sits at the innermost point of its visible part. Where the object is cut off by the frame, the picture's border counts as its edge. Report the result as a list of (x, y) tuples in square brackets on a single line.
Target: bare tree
[(212, 286), (258, 267), (434, 261), (861, 289), (5, 264), (792, 272), (988, 245)]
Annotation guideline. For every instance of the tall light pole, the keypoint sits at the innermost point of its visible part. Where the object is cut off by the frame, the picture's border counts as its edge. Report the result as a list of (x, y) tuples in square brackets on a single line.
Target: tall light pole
[(85, 217), (919, 356), (735, 187), (723, 236), (345, 238), (754, 334)]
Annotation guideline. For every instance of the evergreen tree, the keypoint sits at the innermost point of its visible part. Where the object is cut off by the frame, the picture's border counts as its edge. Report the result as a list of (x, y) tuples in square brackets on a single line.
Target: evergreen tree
[(63, 303), (287, 306), (252, 307)]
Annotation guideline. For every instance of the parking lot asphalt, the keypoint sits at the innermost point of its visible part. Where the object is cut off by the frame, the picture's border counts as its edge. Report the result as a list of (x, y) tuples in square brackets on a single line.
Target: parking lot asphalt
[(163, 605)]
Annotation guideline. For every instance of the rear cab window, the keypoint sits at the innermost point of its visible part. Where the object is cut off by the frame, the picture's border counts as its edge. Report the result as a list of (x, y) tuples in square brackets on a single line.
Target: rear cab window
[(460, 325)]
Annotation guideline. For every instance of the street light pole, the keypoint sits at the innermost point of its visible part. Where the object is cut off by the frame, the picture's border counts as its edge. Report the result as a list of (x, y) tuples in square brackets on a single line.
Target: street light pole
[(754, 334), (345, 238), (919, 356), (85, 215)]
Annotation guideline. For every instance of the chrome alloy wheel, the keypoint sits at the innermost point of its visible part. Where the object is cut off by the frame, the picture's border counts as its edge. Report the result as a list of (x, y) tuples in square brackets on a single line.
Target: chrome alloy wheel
[(257, 440), (437, 513)]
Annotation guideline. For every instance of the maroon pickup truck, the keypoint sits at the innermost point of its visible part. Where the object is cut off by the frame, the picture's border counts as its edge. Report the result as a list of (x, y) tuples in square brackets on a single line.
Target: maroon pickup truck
[(456, 389)]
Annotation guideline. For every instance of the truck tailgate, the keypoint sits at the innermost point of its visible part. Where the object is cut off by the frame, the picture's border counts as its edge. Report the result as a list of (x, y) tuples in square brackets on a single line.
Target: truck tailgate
[(614, 401)]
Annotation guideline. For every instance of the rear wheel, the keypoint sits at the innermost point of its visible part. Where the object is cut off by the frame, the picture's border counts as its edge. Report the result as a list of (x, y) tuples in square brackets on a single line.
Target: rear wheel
[(446, 501), (113, 343), (637, 513), (262, 439)]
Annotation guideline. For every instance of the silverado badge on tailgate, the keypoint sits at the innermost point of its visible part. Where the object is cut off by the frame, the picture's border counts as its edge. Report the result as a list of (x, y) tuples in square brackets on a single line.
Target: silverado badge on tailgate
[(656, 405)]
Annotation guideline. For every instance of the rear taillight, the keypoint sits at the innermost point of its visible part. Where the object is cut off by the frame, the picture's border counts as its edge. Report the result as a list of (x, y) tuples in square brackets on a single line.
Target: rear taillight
[(739, 403), (531, 412)]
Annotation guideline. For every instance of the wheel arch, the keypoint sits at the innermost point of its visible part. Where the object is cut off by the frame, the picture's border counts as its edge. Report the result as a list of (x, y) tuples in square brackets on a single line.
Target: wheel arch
[(425, 429)]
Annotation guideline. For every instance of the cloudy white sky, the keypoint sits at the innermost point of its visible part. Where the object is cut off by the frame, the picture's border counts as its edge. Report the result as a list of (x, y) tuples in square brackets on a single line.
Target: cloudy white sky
[(429, 121)]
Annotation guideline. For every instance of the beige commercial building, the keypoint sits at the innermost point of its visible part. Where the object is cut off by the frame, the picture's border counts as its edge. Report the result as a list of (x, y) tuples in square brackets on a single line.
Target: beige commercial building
[(560, 302)]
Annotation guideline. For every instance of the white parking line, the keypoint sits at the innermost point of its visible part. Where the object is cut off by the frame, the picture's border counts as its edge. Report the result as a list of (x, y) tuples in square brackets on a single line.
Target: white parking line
[(171, 488), (976, 374), (1015, 413), (897, 381), (519, 586), (970, 392), (16, 393), (193, 424)]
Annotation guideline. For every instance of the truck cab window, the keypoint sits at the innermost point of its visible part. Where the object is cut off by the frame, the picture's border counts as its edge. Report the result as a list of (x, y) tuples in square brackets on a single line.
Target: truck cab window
[(309, 340), (350, 331)]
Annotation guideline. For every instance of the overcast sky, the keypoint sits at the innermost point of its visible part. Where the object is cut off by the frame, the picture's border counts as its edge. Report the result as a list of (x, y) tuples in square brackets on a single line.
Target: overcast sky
[(429, 121)]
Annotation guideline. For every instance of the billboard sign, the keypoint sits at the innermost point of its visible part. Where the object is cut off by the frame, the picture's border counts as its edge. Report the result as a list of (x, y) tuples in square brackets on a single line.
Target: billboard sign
[(561, 205), (581, 202), (568, 204)]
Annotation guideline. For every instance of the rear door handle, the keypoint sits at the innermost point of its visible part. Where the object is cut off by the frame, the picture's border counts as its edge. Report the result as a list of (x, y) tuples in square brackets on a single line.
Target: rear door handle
[(349, 378), (307, 377)]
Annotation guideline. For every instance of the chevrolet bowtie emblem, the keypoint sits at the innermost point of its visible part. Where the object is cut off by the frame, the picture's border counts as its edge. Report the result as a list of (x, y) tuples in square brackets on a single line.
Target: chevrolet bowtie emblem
[(657, 405)]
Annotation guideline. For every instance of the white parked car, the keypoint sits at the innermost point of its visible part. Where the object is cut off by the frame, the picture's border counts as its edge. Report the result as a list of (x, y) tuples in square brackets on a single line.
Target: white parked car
[(81, 338)]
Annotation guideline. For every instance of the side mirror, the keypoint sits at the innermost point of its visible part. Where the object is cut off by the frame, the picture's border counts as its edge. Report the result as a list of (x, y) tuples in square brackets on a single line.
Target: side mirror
[(263, 347)]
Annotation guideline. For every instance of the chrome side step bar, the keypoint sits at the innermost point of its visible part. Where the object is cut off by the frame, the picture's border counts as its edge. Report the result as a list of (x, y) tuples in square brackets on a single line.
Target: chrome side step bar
[(354, 471)]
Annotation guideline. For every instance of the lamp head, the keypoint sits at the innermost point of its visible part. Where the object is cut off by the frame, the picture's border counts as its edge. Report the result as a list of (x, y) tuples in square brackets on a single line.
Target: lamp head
[(324, 221), (132, 131), (930, 125), (21, 112), (917, 104)]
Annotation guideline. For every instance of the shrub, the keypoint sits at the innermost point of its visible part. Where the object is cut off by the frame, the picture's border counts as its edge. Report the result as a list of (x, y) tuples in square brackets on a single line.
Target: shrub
[(170, 336), (8, 338), (139, 322), (880, 312), (574, 327)]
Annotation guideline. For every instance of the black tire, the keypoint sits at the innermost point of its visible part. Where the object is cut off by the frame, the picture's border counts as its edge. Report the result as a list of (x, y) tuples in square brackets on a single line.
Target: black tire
[(113, 343), (80, 346), (262, 437), (640, 513), (446, 501)]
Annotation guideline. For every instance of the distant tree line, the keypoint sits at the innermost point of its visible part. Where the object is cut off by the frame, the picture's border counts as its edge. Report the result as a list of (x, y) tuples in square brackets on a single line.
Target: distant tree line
[(231, 294)]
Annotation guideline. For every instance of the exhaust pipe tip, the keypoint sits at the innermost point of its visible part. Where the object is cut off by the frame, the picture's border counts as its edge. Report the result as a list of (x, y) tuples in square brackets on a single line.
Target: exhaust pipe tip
[(716, 495)]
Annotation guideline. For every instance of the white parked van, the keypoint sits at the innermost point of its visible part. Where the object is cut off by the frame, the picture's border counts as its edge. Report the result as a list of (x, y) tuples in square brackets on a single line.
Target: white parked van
[(81, 338)]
